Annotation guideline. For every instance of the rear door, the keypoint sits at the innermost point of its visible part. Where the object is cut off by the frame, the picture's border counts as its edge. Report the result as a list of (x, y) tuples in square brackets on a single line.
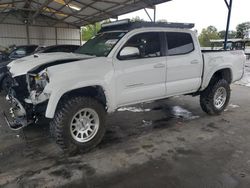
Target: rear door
[(143, 77), (184, 64)]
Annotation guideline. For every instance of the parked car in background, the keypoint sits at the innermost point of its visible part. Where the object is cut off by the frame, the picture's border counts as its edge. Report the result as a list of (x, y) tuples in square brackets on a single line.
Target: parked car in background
[(22, 51), (59, 48), (3, 56)]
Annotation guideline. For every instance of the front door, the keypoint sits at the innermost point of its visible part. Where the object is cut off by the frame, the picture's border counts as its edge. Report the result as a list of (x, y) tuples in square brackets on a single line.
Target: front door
[(141, 77)]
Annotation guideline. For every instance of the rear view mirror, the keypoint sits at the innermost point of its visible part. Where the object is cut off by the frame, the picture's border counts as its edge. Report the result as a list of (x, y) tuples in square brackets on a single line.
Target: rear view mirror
[(129, 52)]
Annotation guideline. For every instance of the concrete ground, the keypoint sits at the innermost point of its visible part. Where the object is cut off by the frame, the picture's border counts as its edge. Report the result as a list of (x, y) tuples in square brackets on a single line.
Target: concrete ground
[(170, 143)]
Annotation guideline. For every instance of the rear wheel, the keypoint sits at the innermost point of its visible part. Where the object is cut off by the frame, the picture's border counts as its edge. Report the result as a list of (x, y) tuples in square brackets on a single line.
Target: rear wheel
[(79, 124), (214, 99)]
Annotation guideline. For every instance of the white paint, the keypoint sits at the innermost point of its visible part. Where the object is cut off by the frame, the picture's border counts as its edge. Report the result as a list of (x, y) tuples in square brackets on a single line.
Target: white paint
[(22, 66)]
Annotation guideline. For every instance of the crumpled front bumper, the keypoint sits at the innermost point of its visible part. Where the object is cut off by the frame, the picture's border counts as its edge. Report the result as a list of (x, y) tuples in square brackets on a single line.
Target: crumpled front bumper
[(18, 119)]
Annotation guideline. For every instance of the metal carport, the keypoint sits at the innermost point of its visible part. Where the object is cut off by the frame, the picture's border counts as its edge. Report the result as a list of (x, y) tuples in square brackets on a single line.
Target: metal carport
[(59, 21), (48, 22)]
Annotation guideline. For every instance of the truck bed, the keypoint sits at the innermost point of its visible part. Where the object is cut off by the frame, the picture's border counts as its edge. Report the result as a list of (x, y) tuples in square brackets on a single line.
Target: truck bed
[(219, 59)]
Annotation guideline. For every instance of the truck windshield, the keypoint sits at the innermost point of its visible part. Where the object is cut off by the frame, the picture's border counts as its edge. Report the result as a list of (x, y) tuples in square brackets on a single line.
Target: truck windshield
[(101, 44)]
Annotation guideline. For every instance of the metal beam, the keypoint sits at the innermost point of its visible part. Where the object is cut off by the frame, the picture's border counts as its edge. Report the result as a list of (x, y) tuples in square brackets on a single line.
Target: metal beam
[(28, 33), (56, 35), (41, 8), (154, 13), (226, 3), (126, 3), (148, 14), (229, 6), (91, 5)]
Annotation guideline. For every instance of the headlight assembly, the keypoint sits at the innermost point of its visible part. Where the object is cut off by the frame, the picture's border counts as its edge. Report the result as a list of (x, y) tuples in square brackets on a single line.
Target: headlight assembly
[(42, 76), (37, 82)]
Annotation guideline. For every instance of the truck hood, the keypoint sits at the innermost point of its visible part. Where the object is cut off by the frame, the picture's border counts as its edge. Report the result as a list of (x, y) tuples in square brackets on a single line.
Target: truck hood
[(40, 61)]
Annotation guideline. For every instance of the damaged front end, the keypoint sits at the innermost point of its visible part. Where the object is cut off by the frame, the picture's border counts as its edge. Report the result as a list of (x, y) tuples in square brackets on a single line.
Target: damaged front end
[(27, 99), (18, 114)]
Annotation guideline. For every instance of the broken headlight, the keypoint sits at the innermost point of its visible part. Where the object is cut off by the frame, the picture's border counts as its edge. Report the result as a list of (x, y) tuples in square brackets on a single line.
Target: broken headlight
[(38, 81)]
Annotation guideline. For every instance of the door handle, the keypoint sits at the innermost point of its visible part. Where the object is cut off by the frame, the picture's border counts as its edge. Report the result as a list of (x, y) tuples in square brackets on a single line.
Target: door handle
[(159, 65), (194, 62)]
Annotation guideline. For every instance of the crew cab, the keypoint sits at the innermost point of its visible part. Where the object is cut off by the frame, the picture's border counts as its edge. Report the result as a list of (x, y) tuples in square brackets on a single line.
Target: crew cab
[(126, 63)]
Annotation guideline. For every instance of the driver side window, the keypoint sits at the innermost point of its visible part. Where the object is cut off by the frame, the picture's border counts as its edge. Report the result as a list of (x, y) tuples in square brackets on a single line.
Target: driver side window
[(144, 45)]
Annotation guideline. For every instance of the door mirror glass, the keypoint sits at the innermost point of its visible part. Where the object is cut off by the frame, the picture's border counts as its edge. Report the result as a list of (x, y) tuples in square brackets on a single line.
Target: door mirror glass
[(129, 52)]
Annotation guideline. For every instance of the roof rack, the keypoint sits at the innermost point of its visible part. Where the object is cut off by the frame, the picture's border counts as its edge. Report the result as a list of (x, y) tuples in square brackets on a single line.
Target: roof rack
[(126, 24)]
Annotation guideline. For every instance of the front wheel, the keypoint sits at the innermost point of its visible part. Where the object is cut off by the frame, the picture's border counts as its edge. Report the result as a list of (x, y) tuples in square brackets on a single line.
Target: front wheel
[(79, 124), (214, 99)]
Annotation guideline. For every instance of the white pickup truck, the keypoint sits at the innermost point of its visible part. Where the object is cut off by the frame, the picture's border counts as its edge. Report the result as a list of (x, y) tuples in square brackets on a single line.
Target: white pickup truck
[(126, 63)]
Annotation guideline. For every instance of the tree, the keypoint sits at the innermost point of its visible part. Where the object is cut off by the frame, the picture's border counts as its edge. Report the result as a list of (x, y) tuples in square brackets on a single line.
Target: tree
[(207, 34), (91, 30), (231, 34), (136, 19), (243, 30), (162, 20)]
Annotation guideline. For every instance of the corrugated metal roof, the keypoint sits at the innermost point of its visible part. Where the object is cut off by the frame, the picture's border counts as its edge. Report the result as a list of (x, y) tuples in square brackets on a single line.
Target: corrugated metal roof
[(73, 12)]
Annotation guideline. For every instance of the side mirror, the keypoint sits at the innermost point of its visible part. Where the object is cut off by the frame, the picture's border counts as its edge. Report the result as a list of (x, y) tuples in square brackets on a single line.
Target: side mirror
[(129, 52)]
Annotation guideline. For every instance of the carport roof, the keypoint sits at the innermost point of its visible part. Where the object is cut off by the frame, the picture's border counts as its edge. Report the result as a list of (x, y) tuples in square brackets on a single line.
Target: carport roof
[(74, 12)]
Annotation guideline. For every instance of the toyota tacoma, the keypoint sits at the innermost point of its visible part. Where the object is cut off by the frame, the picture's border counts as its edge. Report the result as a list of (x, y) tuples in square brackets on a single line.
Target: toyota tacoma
[(125, 63)]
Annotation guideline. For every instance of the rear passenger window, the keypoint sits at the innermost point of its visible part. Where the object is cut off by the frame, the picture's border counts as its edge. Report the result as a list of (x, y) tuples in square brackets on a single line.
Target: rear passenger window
[(179, 43)]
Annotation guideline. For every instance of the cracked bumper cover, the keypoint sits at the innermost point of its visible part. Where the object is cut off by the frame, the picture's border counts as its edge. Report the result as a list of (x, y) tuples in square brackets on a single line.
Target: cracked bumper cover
[(18, 114)]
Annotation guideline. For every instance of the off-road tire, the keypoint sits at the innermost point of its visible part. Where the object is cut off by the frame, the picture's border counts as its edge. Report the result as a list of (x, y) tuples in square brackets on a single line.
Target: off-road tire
[(207, 97), (62, 121)]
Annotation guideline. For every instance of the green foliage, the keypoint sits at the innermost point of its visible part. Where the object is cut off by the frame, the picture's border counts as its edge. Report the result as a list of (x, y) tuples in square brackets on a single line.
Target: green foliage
[(89, 31), (207, 34), (231, 34), (162, 20), (136, 19), (242, 30)]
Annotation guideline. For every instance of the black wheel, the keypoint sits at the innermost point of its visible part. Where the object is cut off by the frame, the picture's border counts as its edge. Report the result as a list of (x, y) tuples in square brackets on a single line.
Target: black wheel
[(214, 99), (6, 83), (79, 124)]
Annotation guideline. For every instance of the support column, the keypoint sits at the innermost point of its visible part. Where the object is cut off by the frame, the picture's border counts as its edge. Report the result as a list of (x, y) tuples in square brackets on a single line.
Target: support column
[(229, 6), (154, 13), (80, 36), (27, 33), (148, 14), (56, 35)]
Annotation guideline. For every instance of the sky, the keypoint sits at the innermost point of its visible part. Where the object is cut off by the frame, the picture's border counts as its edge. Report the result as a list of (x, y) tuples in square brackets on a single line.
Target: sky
[(201, 12)]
